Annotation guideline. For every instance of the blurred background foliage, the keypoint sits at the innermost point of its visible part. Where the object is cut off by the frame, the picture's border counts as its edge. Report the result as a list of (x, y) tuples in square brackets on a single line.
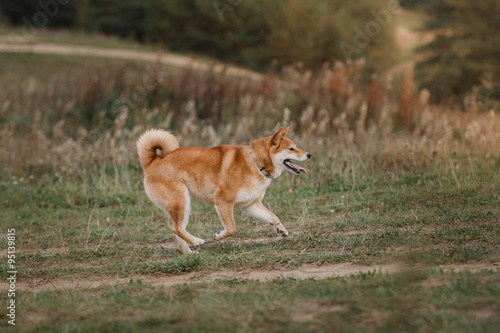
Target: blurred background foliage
[(466, 48), (261, 34), (393, 100), (249, 33)]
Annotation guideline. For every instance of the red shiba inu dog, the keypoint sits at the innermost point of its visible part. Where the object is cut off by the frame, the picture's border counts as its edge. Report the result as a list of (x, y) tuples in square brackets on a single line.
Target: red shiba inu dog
[(224, 176)]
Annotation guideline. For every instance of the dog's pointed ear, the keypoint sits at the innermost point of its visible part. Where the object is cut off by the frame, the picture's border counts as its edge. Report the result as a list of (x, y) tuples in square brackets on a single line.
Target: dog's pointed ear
[(277, 137), (275, 140), (283, 135)]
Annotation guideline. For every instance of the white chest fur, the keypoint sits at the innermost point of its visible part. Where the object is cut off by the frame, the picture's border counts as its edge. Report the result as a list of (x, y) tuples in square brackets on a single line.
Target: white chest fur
[(247, 195)]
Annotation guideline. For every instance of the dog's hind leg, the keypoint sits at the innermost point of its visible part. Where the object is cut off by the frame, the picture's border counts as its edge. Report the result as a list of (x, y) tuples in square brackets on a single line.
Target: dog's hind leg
[(258, 211), (178, 206), (179, 209)]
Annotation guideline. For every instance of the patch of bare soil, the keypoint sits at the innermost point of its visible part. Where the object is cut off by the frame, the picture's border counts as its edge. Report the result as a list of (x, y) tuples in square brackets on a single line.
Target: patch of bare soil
[(303, 272)]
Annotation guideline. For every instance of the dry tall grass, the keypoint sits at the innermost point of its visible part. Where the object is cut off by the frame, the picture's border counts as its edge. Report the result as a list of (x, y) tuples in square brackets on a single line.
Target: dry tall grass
[(70, 117)]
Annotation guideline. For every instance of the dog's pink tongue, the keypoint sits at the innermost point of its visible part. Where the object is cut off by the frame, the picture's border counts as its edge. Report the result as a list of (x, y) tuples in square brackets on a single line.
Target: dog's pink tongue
[(298, 167)]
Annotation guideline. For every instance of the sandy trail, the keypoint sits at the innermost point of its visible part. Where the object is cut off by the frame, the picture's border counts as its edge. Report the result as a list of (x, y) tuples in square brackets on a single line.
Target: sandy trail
[(168, 59), (303, 272)]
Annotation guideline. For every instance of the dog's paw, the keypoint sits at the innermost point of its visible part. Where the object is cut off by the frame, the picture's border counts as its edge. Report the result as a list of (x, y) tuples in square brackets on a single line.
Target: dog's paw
[(220, 235), (283, 232), (198, 242)]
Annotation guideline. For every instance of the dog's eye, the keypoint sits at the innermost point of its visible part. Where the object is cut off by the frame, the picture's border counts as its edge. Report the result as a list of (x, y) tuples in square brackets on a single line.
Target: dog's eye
[(292, 149)]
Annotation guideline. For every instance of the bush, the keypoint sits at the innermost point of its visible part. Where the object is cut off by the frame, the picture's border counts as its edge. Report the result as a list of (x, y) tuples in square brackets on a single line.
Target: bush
[(465, 51)]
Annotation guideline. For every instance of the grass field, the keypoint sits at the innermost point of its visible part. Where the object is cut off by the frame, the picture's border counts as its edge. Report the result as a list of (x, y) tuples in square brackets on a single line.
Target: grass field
[(75, 241), (395, 227)]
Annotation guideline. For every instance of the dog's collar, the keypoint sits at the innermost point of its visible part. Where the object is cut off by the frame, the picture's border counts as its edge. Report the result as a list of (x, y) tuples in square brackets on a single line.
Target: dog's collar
[(261, 169)]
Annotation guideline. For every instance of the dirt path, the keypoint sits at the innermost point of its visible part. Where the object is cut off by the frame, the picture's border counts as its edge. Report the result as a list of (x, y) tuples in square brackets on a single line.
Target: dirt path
[(167, 59), (303, 272)]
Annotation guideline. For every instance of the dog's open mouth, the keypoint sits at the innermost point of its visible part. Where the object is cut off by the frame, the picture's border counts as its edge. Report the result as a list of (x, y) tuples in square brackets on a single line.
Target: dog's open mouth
[(294, 167)]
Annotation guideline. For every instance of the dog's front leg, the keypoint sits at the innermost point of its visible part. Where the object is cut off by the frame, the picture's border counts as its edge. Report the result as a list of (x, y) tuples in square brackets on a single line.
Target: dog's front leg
[(258, 211), (226, 217)]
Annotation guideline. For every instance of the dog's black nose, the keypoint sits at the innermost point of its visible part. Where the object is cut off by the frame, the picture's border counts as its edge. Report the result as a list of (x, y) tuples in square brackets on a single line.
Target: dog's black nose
[(308, 155)]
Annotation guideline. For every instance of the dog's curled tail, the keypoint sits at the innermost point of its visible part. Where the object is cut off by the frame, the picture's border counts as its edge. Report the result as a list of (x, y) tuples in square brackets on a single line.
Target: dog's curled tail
[(154, 139)]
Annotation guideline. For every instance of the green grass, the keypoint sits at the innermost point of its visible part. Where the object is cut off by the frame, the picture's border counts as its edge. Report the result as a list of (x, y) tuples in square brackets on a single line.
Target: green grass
[(411, 301), (98, 224), (109, 222)]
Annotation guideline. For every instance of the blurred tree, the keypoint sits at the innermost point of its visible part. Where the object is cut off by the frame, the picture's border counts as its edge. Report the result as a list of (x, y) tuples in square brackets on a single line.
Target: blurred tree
[(302, 32), (254, 33), (233, 31), (412, 3), (124, 18), (315, 32), (465, 51), (3, 20), (250, 33), (82, 14), (41, 14)]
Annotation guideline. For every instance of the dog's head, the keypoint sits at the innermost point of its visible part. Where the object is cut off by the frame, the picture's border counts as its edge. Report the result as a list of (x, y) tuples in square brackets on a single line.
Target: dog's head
[(275, 154)]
